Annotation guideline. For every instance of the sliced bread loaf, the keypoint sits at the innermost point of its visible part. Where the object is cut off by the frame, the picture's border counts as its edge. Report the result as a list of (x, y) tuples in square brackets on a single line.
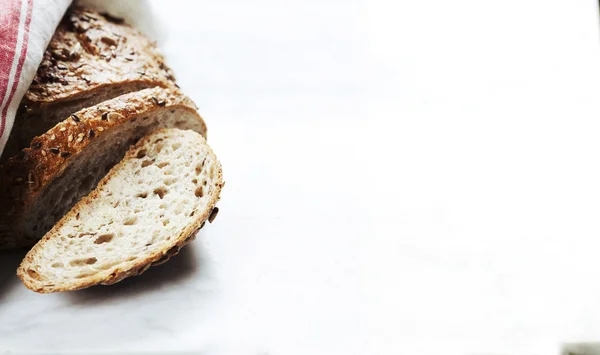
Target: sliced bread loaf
[(91, 58), (148, 206), (38, 186)]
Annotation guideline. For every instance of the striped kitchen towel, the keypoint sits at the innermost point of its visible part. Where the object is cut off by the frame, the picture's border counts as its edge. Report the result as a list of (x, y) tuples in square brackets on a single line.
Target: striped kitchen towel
[(26, 27)]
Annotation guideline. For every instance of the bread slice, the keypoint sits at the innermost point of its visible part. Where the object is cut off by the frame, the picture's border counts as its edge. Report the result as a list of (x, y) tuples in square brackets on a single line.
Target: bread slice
[(38, 186), (91, 58), (148, 206)]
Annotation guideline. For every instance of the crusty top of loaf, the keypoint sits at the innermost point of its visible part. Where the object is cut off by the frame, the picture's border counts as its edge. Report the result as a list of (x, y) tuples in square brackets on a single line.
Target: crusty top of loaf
[(89, 50), (24, 175)]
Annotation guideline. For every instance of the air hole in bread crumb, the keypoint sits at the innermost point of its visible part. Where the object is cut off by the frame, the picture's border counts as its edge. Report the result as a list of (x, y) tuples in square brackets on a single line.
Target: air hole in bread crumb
[(136, 172), (81, 262), (104, 238), (162, 165), (168, 172), (146, 162), (140, 154), (142, 195), (57, 265), (158, 140), (199, 191), (176, 146), (116, 204), (192, 214), (165, 221), (194, 181), (198, 169), (131, 258), (204, 182), (160, 191), (130, 221), (33, 274), (169, 181), (162, 206)]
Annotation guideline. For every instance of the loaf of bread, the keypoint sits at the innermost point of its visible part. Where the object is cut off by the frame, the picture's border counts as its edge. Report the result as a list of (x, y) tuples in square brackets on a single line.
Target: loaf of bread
[(91, 58), (142, 213), (107, 160), (38, 186)]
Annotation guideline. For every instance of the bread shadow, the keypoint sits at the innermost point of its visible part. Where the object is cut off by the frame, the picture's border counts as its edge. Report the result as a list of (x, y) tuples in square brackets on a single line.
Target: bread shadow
[(179, 268), (9, 262)]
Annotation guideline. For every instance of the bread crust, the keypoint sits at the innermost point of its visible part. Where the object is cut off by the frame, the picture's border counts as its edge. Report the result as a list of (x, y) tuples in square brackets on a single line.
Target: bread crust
[(90, 58), (185, 236), (90, 50), (25, 175)]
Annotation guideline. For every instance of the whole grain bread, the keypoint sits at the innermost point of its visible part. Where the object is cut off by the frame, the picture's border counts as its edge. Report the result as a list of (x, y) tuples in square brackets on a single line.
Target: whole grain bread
[(38, 186), (148, 206), (91, 58)]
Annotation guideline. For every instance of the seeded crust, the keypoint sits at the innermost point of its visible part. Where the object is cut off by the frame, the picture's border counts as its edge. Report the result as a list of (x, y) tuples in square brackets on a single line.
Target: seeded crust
[(31, 269), (91, 58), (25, 176)]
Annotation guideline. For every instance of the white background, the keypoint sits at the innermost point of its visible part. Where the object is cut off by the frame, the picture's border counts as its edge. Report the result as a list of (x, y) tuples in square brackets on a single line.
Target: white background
[(407, 177)]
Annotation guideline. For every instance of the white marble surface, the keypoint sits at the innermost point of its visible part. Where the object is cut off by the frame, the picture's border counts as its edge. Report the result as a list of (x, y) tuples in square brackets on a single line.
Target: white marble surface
[(414, 177)]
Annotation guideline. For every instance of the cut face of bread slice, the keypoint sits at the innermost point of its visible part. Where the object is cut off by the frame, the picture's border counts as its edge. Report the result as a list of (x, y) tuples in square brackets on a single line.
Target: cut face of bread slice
[(40, 185), (91, 58), (146, 208)]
